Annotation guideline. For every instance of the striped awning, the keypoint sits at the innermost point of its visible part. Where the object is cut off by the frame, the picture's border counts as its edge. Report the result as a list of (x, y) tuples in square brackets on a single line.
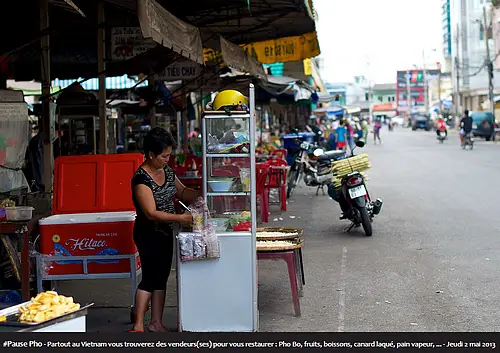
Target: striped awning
[(119, 82)]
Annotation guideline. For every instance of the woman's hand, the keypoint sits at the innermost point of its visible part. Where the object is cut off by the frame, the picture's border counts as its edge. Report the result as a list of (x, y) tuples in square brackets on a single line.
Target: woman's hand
[(186, 218)]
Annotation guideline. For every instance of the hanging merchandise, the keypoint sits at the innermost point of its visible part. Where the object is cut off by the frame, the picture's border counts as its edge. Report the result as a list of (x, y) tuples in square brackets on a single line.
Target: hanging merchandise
[(14, 133), (202, 243)]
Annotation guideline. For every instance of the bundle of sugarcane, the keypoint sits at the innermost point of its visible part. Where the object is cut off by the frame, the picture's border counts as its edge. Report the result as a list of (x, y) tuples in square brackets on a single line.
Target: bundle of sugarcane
[(337, 180), (353, 164)]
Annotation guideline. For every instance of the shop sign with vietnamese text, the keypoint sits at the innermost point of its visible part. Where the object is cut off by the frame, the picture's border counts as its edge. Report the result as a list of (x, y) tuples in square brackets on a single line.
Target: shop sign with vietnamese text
[(128, 42), (285, 49), (181, 70)]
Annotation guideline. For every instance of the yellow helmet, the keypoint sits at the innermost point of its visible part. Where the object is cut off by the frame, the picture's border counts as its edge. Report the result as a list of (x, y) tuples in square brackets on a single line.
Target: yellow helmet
[(229, 98)]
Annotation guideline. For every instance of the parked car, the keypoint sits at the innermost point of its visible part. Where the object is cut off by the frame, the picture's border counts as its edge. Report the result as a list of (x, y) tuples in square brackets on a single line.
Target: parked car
[(398, 121), (483, 124), (420, 121)]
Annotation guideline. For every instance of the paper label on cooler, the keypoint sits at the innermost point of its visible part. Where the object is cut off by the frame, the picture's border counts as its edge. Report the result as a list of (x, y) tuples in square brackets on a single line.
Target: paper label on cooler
[(80, 246)]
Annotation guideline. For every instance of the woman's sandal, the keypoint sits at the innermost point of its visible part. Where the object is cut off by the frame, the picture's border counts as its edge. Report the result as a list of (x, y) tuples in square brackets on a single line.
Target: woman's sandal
[(134, 330)]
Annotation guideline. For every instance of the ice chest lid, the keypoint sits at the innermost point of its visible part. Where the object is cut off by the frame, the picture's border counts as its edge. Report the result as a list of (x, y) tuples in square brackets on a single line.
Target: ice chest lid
[(94, 183), (83, 218)]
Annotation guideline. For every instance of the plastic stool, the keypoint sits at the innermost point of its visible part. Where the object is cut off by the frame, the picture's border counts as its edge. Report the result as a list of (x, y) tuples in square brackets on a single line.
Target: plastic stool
[(291, 260)]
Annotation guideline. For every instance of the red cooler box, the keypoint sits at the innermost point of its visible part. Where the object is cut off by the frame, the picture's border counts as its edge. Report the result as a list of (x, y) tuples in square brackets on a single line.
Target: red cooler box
[(93, 213)]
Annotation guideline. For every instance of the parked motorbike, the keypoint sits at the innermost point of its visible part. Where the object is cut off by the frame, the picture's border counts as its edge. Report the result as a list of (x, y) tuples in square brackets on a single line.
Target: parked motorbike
[(316, 171), (354, 199)]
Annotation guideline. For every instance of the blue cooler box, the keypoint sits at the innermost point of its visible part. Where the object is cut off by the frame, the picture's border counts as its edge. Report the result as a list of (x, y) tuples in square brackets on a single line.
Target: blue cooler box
[(291, 142)]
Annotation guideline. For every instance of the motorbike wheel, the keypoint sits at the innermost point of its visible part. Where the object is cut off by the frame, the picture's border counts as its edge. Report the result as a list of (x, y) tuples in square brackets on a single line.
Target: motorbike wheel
[(365, 221), (294, 180)]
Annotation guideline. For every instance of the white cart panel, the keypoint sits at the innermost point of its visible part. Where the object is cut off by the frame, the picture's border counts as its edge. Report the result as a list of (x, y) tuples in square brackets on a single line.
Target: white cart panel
[(218, 295)]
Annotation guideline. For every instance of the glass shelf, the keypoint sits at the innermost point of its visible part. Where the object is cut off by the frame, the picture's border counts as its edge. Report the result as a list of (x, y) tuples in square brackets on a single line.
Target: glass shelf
[(230, 214), (230, 193), (228, 135), (228, 155)]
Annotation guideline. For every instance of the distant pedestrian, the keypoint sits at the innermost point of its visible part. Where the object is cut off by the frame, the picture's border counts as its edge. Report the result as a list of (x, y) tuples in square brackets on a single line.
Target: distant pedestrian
[(350, 134), (376, 132), (341, 136), (366, 130), (331, 145)]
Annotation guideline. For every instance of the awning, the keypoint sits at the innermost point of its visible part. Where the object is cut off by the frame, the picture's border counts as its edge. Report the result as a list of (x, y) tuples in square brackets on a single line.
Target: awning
[(331, 111), (388, 113), (167, 30), (280, 85), (234, 56), (384, 107), (325, 97), (240, 21), (353, 110)]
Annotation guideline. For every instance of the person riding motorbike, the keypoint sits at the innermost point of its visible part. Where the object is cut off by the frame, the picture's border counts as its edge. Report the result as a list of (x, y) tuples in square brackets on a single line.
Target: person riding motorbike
[(441, 126), (465, 126)]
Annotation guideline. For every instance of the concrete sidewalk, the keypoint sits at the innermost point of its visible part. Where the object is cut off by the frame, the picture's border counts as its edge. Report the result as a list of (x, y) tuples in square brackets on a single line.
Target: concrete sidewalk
[(112, 298)]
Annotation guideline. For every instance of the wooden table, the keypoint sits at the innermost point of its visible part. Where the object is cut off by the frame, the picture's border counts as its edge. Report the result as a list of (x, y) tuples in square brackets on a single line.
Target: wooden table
[(18, 228)]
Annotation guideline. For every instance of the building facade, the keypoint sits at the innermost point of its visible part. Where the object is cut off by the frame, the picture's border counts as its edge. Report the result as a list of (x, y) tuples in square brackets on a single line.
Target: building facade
[(384, 93), (338, 90), (468, 51)]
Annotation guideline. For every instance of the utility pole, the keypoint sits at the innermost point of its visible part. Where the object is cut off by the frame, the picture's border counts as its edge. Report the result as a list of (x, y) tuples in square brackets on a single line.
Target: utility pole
[(457, 75), (426, 99), (408, 93), (439, 90), (489, 64), (370, 91)]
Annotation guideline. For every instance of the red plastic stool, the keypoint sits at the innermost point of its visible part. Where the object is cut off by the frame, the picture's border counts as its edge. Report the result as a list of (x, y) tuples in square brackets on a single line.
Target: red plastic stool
[(289, 257)]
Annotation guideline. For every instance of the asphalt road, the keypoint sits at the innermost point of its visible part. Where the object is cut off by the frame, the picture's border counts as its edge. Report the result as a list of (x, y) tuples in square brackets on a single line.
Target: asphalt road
[(433, 262)]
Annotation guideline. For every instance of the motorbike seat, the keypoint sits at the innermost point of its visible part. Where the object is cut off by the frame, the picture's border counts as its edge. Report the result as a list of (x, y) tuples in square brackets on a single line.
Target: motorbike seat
[(332, 155)]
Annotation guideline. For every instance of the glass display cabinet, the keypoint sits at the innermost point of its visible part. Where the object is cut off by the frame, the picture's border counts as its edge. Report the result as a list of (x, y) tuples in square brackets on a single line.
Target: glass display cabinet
[(221, 295)]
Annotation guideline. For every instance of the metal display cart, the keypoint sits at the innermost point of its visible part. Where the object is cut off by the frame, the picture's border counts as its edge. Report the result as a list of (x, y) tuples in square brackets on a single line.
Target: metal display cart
[(221, 295)]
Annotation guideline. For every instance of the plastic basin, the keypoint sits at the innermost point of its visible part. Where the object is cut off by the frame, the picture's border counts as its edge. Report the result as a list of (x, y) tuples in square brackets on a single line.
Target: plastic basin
[(220, 185)]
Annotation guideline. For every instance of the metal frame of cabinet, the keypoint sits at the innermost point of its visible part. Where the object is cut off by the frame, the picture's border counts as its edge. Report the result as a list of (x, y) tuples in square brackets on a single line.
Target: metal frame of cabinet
[(221, 295)]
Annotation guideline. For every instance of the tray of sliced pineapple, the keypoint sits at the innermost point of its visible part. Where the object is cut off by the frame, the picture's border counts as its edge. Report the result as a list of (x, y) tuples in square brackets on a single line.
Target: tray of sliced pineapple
[(45, 307), (278, 233)]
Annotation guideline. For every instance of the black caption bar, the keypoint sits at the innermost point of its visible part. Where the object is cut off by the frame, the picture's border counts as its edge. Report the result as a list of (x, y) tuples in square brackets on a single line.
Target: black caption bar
[(255, 342)]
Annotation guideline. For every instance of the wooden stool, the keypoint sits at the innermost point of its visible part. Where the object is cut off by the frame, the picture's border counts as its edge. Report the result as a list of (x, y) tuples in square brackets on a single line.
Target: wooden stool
[(292, 260)]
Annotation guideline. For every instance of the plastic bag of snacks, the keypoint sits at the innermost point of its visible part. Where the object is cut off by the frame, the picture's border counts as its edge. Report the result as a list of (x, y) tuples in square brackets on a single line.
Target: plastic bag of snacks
[(186, 246), (202, 224), (203, 242)]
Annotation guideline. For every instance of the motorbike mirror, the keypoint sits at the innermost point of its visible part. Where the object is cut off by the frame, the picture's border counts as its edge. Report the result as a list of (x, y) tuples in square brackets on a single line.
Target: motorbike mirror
[(318, 152), (360, 143)]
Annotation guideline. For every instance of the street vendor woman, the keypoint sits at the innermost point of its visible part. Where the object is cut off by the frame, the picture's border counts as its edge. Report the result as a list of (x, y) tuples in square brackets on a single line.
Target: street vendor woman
[(154, 187)]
